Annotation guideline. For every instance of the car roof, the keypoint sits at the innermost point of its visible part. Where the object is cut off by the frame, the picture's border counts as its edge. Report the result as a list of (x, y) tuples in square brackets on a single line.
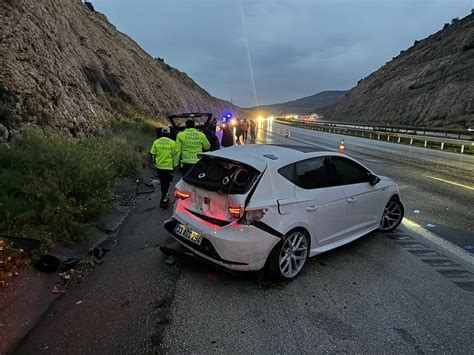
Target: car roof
[(260, 155)]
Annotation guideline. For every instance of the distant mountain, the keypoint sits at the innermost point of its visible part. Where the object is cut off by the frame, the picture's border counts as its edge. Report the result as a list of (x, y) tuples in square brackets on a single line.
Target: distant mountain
[(429, 84), (304, 105)]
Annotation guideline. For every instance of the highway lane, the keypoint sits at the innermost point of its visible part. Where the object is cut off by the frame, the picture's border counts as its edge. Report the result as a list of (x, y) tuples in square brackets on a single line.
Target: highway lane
[(381, 293), (437, 187), (394, 292)]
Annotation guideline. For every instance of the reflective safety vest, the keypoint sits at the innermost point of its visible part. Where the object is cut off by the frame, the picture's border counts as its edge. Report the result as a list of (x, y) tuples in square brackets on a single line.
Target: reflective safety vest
[(164, 150), (189, 143)]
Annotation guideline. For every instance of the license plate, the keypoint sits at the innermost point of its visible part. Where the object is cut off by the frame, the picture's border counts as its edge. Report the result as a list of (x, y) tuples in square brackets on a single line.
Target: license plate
[(187, 233)]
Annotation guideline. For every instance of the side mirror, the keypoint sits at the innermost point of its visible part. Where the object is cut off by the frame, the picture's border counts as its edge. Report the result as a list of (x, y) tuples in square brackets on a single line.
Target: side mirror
[(373, 179)]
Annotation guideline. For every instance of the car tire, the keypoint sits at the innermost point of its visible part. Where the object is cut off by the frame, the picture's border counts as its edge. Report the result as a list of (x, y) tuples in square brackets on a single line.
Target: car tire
[(289, 257), (392, 215)]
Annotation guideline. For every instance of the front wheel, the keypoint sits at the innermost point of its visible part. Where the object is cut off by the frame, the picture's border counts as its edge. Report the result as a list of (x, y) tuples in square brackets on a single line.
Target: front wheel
[(392, 215), (289, 256)]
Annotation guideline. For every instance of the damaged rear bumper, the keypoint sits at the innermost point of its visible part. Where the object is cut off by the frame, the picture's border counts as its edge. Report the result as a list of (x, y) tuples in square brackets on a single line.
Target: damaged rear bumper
[(236, 247)]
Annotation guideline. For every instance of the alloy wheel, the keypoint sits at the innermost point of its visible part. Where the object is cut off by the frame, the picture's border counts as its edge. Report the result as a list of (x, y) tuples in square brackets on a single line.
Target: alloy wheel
[(293, 254), (392, 215)]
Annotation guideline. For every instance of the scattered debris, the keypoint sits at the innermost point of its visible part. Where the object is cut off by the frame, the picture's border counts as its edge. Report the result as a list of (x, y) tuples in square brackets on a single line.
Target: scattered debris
[(154, 182), (70, 263), (10, 260), (71, 277), (47, 263), (416, 211), (55, 290), (65, 276), (99, 253), (78, 302), (469, 247), (429, 225), (171, 260)]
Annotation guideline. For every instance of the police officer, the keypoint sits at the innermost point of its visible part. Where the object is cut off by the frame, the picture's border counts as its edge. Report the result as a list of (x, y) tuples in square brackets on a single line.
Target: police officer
[(163, 152), (189, 143)]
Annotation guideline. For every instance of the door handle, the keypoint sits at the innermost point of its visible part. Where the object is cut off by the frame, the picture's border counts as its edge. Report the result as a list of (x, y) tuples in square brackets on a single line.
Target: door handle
[(351, 199), (311, 208)]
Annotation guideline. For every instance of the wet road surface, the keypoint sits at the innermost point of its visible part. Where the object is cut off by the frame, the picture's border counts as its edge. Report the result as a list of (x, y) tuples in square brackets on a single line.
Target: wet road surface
[(437, 188), (395, 292)]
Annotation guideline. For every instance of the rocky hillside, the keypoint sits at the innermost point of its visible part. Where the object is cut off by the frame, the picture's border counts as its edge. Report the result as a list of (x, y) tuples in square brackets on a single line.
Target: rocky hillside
[(429, 84), (65, 68), (304, 105)]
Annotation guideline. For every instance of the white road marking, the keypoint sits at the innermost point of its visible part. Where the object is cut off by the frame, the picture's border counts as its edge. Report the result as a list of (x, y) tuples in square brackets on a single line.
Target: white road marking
[(451, 182), (459, 252)]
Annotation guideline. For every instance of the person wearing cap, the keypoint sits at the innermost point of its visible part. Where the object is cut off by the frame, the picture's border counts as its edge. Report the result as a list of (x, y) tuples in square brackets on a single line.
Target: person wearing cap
[(163, 153), (189, 143)]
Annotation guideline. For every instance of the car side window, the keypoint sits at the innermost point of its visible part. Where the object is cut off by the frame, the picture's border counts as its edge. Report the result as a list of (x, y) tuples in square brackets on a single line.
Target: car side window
[(310, 174), (288, 172), (349, 171)]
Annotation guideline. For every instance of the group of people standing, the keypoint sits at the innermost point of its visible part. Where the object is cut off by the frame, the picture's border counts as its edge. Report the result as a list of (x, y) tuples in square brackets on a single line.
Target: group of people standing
[(243, 129), (168, 154)]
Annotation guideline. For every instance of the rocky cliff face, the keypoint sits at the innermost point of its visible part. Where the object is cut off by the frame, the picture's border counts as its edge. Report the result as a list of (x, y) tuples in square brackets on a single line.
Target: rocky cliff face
[(65, 68), (430, 84)]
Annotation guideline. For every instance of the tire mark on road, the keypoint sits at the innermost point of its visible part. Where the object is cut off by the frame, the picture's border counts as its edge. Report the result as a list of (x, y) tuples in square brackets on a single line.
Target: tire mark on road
[(439, 262)]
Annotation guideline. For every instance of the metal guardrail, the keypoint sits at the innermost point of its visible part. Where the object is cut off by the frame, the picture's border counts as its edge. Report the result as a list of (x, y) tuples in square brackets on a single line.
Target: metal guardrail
[(399, 136), (411, 130)]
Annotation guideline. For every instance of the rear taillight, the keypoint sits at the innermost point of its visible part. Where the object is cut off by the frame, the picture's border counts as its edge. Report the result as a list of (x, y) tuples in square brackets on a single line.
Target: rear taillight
[(235, 211), (182, 195)]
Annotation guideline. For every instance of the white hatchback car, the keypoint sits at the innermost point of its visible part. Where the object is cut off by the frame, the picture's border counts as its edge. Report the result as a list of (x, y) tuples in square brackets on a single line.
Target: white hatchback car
[(247, 207)]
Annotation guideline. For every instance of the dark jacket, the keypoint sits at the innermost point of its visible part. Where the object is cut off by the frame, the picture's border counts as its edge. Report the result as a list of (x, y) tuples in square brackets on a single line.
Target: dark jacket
[(227, 137), (210, 132), (239, 130)]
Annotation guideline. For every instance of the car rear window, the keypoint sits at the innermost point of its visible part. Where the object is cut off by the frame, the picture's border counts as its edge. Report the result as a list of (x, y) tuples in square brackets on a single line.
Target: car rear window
[(216, 174)]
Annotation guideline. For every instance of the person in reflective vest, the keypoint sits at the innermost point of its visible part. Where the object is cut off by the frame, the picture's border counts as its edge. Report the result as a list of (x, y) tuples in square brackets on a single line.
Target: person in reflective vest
[(189, 143), (163, 152)]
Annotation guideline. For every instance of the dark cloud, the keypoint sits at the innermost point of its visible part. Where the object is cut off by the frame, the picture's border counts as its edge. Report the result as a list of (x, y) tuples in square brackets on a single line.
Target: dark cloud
[(297, 48)]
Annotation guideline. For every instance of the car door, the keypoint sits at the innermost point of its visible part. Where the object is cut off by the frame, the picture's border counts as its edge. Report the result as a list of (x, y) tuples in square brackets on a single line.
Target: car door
[(363, 199), (321, 201)]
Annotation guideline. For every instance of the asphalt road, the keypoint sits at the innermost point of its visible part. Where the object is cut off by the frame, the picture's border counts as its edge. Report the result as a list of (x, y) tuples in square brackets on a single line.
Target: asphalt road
[(437, 187), (394, 292)]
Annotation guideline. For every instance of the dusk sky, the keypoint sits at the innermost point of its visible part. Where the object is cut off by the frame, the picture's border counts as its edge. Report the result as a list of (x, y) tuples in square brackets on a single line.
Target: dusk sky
[(297, 48)]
